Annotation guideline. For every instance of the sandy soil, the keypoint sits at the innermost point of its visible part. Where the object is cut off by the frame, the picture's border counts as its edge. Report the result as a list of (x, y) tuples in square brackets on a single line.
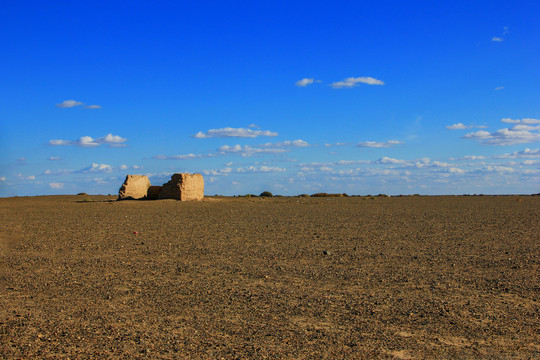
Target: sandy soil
[(291, 278)]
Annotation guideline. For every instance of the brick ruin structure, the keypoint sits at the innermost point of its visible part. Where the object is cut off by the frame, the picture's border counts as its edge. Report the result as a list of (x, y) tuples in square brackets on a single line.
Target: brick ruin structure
[(183, 187)]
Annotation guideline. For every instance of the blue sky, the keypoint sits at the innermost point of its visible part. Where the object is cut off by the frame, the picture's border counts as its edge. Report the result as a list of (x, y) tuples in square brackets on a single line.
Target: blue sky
[(291, 97)]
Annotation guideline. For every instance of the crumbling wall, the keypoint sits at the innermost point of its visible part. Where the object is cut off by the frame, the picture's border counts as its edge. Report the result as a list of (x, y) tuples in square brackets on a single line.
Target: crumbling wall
[(183, 187)]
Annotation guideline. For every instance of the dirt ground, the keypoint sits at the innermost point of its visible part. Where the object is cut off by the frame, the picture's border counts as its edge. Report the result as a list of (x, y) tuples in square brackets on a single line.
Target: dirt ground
[(283, 278)]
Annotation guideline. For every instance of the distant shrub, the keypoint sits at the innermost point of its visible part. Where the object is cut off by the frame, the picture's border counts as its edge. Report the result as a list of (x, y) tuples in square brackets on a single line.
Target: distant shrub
[(383, 195), (326, 195), (303, 195), (266, 194), (87, 200), (85, 194)]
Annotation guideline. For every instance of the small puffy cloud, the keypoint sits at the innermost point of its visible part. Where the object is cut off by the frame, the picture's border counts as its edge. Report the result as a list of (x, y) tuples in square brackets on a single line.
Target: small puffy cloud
[(58, 172), (294, 143), (22, 177), (472, 157), (353, 82), (306, 81), (498, 169), (498, 88), (497, 39), (260, 169), (54, 158), (69, 104), (112, 140), (75, 103), (523, 131), (247, 150), (523, 154), (459, 126), (455, 170), (89, 142), (56, 185), (229, 132), (22, 159), (387, 160), (2, 178), (375, 144), (86, 141), (182, 157), (97, 168), (224, 172), (336, 144), (526, 121)]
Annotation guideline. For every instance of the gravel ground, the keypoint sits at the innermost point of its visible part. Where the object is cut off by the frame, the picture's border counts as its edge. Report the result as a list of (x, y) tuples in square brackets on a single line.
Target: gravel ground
[(283, 278)]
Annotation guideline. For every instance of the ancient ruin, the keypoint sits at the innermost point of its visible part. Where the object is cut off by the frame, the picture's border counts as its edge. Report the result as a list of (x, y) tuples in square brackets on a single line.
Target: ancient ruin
[(182, 187), (134, 187)]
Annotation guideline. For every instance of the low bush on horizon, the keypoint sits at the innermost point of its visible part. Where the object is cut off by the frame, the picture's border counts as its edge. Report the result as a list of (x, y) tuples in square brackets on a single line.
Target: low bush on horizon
[(329, 195), (266, 194)]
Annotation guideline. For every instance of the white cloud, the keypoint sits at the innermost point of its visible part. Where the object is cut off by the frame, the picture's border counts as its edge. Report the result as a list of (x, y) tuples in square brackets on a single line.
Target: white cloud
[(225, 171), (97, 168), (353, 82), (294, 143), (247, 150), (459, 126), (54, 158), (498, 169), (22, 159), (498, 88), (89, 142), (523, 154), (472, 157), (375, 144), (497, 39), (112, 140), (22, 177), (524, 131), (260, 169), (69, 104), (86, 141), (2, 178), (387, 160), (526, 121), (456, 170), (56, 185), (233, 132), (75, 103), (306, 81)]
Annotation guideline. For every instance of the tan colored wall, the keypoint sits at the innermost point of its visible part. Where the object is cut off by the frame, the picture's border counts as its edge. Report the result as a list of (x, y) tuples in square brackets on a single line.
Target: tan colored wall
[(134, 187), (183, 187)]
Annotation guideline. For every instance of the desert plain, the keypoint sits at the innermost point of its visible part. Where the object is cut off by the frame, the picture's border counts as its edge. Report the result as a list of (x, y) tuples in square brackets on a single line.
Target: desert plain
[(416, 277)]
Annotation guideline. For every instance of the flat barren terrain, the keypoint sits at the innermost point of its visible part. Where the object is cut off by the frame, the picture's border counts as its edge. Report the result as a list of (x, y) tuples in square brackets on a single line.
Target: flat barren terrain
[(283, 278)]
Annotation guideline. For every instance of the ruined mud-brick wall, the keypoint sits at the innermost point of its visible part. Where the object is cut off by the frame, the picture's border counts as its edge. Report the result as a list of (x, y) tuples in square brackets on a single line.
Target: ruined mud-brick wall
[(134, 187), (183, 187)]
